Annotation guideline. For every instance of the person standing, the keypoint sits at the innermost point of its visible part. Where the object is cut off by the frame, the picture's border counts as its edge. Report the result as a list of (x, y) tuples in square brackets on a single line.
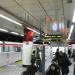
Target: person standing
[(31, 70), (57, 55), (69, 52), (33, 58), (64, 63), (54, 68)]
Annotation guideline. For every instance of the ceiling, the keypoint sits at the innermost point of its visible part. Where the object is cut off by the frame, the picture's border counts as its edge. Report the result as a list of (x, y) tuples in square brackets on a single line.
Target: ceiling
[(39, 13)]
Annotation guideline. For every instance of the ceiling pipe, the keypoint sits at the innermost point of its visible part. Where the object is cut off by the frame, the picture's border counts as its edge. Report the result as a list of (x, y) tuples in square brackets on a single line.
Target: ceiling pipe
[(43, 7)]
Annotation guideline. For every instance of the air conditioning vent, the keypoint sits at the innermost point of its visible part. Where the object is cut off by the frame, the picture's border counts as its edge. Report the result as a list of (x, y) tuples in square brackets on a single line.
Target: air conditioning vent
[(69, 1)]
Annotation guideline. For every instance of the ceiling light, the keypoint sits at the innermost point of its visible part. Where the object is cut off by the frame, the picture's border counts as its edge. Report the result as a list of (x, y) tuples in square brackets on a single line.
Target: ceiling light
[(22, 35), (71, 30), (33, 30), (3, 30), (73, 20), (7, 18), (14, 33), (6, 42)]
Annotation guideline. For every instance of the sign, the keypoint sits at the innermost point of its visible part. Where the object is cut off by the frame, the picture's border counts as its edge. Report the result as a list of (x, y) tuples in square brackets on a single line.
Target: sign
[(53, 36)]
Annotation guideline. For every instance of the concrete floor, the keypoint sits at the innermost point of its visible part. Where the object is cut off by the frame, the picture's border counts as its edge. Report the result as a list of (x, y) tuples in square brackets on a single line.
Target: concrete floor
[(17, 69), (14, 69)]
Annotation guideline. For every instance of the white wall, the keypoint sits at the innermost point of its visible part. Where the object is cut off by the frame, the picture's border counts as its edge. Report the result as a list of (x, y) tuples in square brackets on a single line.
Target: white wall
[(26, 53), (9, 57)]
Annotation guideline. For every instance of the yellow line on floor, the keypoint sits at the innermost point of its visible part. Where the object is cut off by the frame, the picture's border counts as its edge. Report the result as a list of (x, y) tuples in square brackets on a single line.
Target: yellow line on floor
[(2, 68), (19, 62)]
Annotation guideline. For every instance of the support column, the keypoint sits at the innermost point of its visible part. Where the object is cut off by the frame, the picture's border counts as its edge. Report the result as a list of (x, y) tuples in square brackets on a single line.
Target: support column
[(27, 47)]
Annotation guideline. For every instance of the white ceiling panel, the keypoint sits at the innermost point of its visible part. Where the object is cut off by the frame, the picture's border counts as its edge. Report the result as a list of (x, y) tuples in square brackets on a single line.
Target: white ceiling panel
[(14, 9), (38, 13), (51, 6), (32, 7), (55, 12), (7, 3), (73, 1), (18, 11), (27, 2), (43, 1), (68, 11), (48, 6)]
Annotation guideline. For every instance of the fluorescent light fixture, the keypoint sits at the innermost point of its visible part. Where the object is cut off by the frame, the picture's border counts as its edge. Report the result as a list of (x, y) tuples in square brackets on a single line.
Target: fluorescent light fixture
[(22, 35), (3, 30), (15, 33), (7, 18), (73, 20), (33, 30), (1, 42), (71, 30), (6, 42)]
